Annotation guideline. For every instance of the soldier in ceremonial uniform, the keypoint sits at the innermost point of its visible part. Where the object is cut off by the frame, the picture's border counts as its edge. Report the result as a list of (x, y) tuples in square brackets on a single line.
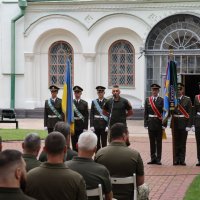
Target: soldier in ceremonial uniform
[(98, 121), (153, 122), (196, 123), (53, 109), (182, 124), (80, 115)]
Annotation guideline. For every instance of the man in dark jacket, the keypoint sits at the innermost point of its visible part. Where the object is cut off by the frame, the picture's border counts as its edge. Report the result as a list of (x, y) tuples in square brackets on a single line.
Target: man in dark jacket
[(153, 122), (53, 109)]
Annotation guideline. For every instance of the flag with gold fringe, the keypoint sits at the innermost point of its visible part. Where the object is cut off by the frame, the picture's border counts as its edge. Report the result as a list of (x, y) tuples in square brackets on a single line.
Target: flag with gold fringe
[(67, 98)]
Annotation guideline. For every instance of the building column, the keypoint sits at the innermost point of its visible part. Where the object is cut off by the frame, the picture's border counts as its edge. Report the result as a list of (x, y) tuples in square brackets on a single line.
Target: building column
[(89, 76), (29, 81)]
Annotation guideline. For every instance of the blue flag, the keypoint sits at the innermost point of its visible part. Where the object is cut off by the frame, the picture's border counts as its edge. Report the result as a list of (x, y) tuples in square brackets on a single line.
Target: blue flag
[(170, 90), (67, 98)]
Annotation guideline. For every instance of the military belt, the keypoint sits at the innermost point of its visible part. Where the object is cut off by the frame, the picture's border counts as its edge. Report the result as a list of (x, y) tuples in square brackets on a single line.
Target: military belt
[(52, 116), (179, 116), (98, 116), (153, 116), (77, 118)]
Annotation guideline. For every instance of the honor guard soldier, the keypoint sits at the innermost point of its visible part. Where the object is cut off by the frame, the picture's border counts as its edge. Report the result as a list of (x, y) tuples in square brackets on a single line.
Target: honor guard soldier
[(53, 109), (153, 122), (196, 123), (98, 121), (182, 124), (80, 115)]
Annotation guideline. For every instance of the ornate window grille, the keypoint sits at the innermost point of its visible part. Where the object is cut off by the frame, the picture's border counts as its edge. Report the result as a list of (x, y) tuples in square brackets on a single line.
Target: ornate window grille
[(58, 54), (121, 64), (180, 33)]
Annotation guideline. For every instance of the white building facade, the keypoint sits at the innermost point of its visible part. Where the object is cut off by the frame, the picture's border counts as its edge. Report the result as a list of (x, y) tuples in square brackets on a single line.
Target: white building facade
[(108, 42)]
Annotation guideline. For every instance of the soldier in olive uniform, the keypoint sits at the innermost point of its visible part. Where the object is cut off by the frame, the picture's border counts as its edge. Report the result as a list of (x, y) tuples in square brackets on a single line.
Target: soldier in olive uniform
[(80, 115), (98, 121), (182, 124), (153, 122), (196, 123), (53, 109)]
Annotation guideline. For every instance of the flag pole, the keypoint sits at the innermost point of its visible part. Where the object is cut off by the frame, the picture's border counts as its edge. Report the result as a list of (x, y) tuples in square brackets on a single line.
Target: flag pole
[(172, 107)]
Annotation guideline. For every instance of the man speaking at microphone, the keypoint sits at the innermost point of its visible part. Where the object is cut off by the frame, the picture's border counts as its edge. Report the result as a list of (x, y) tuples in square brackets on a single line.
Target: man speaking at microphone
[(117, 108)]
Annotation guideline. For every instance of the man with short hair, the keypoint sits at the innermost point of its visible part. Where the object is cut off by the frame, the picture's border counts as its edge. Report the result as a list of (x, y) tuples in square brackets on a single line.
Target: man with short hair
[(153, 111), (182, 124), (117, 108), (63, 128), (52, 179), (31, 147), (12, 175), (121, 161), (80, 115), (53, 109), (93, 173), (98, 121)]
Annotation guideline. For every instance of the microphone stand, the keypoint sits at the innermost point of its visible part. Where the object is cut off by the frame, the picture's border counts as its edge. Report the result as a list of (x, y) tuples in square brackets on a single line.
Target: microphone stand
[(110, 115)]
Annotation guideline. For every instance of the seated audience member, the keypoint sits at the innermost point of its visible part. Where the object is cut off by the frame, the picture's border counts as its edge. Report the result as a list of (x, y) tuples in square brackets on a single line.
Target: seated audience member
[(63, 128), (31, 147), (93, 173), (0, 144), (12, 176), (52, 180), (121, 161)]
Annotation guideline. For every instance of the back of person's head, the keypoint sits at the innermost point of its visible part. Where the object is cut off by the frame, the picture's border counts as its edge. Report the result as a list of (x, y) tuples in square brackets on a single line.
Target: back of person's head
[(63, 128), (55, 143), (118, 130), (32, 143), (87, 141), (12, 168), (0, 144)]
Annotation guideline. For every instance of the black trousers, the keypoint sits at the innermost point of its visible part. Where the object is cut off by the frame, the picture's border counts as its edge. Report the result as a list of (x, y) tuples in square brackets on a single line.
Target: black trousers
[(50, 130), (197, 136), (155, 138), (102, 138), (74, 139), (180, 138)]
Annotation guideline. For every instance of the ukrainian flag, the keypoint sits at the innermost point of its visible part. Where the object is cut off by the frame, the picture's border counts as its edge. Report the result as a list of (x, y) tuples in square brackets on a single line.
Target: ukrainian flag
[(67, 98), (170, 90)]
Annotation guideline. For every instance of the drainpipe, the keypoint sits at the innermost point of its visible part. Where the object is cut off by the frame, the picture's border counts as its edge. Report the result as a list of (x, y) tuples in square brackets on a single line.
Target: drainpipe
[(22, 4)]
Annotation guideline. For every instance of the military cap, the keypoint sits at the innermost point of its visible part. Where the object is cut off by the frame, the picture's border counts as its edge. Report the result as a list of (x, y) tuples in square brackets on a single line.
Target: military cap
[(77, 88), (155, 86), (180, 85), (100, 88), (53, 88)]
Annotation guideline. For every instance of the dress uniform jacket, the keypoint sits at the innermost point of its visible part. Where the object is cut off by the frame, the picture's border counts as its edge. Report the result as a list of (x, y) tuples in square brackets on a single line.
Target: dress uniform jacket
[(82, 107), (49, 116), (153, 123), (182, 122), (96, 120)]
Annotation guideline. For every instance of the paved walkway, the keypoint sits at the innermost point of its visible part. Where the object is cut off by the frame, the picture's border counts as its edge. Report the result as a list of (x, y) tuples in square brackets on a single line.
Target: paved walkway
[(167, 182)]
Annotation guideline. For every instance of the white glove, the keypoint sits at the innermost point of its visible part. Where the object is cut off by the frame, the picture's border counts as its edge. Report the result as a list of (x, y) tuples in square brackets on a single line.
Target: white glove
[(187, 128), (106, 129), (193, 128), (92, 128), (84, 130), (146, 127), (45, 128), (163, 128)]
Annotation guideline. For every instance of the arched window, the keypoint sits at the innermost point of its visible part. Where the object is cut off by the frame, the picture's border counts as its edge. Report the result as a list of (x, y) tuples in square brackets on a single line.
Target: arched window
[(58, 54), (180, 33), (121, 64)]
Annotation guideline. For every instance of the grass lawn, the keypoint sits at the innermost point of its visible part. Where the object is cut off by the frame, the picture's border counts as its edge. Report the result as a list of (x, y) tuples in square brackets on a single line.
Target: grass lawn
[(193, 192), (19, 134)]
